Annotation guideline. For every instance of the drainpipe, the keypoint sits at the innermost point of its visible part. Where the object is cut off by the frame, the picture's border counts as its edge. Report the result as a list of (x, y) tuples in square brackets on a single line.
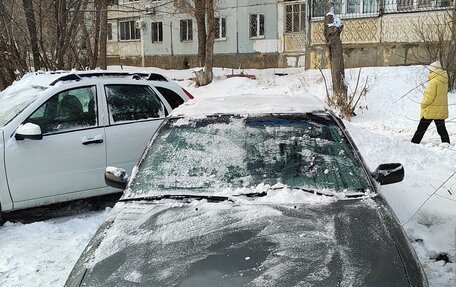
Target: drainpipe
[(237, 26)]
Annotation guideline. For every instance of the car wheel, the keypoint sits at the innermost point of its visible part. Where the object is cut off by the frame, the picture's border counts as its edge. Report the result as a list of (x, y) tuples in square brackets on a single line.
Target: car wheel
[(2, 220)]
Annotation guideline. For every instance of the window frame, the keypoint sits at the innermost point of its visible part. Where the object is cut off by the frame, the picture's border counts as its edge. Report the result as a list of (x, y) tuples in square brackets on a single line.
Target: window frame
[(188, 30), (259, 17), (109, 32), (419, 5), (342, 9), (131, 28), (301, 18), (157, 32), (112, 122), (97, 111), (220, 28)]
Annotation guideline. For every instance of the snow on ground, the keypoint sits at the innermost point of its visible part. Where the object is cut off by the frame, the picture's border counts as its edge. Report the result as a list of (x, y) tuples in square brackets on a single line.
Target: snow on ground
[(43, 253)]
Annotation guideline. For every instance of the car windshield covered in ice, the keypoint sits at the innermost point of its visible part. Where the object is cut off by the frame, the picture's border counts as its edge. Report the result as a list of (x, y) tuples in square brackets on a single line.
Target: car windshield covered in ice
[(223, 152)]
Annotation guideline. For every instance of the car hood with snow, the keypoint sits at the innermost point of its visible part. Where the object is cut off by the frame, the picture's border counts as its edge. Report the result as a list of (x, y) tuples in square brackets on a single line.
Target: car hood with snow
[(352, 242), (253, 194)]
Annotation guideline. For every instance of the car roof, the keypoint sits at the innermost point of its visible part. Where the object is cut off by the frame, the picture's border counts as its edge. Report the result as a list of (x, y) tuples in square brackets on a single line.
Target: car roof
[(249, 104), (53, 78)]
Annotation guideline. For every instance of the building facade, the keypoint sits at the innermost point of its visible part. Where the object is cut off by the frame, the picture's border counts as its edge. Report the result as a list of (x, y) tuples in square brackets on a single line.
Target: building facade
[(276, 33)]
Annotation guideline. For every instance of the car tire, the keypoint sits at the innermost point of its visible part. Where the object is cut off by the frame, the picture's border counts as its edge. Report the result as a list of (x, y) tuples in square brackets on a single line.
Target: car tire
[(2, 220)]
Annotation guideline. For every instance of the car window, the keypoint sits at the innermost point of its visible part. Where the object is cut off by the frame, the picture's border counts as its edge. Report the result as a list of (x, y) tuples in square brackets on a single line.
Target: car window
[(217, 153), (133, 102), (171, 97), (67, 110)]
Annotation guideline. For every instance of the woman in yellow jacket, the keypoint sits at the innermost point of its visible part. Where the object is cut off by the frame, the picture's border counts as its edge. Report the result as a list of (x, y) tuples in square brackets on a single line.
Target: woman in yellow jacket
[(434, 106)]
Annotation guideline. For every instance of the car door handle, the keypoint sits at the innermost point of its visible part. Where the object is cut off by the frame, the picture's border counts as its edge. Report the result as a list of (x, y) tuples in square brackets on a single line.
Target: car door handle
[(95, 141), (92, 140)]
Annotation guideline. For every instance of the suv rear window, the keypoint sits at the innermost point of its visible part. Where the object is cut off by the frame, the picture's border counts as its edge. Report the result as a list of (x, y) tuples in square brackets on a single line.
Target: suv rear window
[(171, 97)]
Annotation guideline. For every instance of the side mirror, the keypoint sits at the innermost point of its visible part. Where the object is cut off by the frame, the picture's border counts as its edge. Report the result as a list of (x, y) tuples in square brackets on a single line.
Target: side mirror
[(116, 177), (389, 173), (29, 131)]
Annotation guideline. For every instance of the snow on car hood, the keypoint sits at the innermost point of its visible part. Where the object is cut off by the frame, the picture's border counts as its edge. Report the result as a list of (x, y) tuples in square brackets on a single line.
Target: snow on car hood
[(343, 243)]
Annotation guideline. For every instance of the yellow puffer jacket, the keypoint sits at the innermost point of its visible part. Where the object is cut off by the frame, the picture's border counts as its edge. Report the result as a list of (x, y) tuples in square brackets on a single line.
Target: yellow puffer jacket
[(434, 105)]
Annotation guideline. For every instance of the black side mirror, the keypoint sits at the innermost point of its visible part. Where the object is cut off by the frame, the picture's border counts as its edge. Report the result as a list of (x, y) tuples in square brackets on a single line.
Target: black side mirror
[(389, 173), (116, 177), (29, 131)]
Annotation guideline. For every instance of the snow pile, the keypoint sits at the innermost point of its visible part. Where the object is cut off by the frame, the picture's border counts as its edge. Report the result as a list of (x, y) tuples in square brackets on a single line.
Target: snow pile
[(43, 253)]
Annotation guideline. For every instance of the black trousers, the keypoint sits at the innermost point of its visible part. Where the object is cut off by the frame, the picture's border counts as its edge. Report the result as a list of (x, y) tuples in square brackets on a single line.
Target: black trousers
[(424, 124)]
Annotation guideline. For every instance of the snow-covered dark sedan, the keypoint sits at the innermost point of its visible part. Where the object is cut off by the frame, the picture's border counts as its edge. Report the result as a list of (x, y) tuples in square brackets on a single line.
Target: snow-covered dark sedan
[(251, 191)]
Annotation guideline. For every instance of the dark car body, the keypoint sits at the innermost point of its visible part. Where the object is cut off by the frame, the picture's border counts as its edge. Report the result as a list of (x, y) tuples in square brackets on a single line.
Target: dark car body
[(186, 238)]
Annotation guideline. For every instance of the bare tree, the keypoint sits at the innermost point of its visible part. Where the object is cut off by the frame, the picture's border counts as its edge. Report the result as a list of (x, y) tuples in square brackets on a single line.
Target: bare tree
[(332, 30), (203, 11), (31, 24), (196, 8), (103, 33), (437, 32), (51, 34), (12, 59)]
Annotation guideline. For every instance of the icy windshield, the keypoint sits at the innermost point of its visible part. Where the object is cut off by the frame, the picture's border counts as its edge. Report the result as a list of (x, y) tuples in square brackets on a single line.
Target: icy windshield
[(226, 152), (15, 99)]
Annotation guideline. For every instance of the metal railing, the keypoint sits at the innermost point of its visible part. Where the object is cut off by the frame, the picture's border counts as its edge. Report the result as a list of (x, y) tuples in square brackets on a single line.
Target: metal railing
[(370, 8), (397, 6)]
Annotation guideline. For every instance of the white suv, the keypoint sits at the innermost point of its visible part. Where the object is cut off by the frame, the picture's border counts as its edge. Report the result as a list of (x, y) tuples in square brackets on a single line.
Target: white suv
[(59, 132)]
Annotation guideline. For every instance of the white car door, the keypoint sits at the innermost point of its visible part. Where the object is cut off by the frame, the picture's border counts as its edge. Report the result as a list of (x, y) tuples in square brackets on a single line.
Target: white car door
[(135, 113), (69, 159)]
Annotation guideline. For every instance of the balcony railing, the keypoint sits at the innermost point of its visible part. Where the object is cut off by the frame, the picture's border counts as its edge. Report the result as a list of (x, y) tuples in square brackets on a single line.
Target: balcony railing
[(371, 8), (394, 6)]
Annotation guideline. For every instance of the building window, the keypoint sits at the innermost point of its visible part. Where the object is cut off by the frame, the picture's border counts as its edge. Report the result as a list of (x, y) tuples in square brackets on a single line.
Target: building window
[(157, 32), (370, 6), (109, 31), (186, 30), (220, 28), (317, 8), (128, 31), (425, 3), (414, 5), (346, 7), (404, 5), (256, 25), (296, 17)]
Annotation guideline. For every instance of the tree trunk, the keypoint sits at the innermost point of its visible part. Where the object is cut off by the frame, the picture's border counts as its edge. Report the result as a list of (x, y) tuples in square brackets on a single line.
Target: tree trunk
[(452, 53), (332, 33), (208, 75), (96, 33), (61, 16), (103, 33), (200, 15), (31, 24)]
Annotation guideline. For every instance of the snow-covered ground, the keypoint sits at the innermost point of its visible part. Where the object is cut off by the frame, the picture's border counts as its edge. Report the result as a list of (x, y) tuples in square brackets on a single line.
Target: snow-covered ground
[(43, 253)]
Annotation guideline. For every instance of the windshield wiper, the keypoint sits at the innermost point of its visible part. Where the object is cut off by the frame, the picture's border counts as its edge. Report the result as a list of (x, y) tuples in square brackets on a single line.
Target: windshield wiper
[(253, 194), (313, 191), (209, 198)]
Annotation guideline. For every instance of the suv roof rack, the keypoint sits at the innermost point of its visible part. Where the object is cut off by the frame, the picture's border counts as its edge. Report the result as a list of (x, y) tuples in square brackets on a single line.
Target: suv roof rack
[(156, 77), (69, 77), (137, 76)]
